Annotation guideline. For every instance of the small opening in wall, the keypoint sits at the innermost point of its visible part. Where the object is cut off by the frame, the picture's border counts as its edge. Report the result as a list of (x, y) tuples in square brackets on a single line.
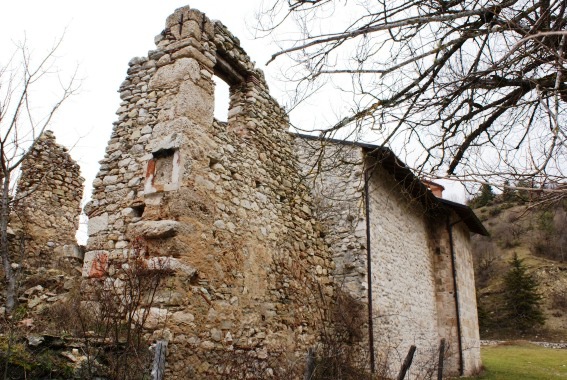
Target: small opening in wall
[(164, 166), (212, 162), (162, 172), (138, 209), (222, 99), (162, 153)]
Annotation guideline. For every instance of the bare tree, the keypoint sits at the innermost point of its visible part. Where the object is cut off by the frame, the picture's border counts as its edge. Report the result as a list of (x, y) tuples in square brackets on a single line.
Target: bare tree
[(22, 121), (468, 90)]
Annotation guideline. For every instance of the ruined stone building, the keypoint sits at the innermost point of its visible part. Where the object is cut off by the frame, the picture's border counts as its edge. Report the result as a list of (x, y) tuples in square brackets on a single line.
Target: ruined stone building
[(258, 252), (223, 198), (47, 204)]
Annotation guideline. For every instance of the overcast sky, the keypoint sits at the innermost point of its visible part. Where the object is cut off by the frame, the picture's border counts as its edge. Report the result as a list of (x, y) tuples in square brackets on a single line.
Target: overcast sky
[(100, 38)]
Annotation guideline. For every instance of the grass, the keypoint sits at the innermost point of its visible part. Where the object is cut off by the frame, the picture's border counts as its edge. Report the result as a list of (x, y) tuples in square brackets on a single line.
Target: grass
[(522, 361)]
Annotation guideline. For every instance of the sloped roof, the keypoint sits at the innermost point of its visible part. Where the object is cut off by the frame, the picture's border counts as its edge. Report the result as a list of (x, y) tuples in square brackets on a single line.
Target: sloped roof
[(411, 183)]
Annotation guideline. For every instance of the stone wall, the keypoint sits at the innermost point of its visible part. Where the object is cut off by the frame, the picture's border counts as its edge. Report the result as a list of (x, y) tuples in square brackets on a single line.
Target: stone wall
[(466, 294), (48, 203), (467, 298), (337, 185), (222, 199), (445, 287), (413, 291), (257, 242), (403, 277)]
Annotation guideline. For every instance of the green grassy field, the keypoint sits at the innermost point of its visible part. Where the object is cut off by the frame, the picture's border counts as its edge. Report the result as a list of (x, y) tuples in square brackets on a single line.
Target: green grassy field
[(523, 361)]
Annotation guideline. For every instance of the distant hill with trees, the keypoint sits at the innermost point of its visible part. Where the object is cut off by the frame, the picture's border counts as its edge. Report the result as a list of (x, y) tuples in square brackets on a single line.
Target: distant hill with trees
[(521, 269)]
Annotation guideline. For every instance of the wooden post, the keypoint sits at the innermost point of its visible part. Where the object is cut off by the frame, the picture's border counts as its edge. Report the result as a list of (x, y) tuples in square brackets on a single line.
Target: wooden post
[(441, 359), (407, 363), (158, 367), (310, 365)]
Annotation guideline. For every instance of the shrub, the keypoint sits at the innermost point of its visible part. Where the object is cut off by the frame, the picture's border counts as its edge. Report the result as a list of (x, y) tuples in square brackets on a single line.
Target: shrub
[(551, 238), (485, 259), (109, 316), (559, 300), (495, 211)]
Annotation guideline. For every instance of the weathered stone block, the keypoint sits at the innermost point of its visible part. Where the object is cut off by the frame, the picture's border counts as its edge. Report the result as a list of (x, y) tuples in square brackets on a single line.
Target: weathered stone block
[(97, 224), (182, 317), (154, 229), (195, 103), (170, 76), (189, 28), (70, 250), (95, 264), (151, 318), (170, 264)]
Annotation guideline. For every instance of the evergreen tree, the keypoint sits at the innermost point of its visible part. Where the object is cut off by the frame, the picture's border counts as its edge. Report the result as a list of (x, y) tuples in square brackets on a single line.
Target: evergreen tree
[(485, 196), (523, 301), (507, 192)]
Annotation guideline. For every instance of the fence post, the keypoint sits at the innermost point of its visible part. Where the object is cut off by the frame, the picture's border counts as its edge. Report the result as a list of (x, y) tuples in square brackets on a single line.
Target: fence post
[(407, 363), (158, 367), (310, 365), (441, 359)]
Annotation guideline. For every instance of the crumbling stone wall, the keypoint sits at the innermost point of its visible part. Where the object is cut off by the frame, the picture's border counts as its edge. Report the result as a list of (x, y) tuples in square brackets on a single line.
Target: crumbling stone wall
[(224, 199), (48, 203), (335, 175)]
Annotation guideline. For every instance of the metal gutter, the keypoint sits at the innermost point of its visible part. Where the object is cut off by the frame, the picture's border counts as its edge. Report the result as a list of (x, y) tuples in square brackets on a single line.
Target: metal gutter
[(369, 272), (456, 294)]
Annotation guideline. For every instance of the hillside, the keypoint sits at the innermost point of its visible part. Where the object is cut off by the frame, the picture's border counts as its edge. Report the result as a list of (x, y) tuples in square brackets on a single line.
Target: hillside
[(538, 235)]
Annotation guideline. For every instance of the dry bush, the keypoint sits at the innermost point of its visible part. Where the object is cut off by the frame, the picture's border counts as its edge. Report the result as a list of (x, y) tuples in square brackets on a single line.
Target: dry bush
[(108, 315), (550, 240), (559, 300), (486, 260), (243, 364), (342, 355), (121, 306)]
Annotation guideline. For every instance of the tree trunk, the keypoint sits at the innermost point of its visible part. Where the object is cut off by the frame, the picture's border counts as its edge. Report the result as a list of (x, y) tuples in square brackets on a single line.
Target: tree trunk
[(9, 275)]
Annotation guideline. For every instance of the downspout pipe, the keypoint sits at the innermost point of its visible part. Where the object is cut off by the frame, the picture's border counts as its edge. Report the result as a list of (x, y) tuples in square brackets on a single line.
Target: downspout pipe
[(367, 176), (456, 294)]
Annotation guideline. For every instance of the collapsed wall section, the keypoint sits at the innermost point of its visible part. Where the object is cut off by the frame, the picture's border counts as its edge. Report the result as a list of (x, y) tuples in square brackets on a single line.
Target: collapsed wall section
[(48, 202), (222, 201)]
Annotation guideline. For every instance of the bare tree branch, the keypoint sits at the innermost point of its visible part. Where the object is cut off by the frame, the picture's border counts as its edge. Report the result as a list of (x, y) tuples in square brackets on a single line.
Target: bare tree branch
[(477, 90), (21, 125)]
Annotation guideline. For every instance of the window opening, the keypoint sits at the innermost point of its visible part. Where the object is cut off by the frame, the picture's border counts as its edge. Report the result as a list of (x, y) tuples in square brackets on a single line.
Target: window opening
[(222, 99)]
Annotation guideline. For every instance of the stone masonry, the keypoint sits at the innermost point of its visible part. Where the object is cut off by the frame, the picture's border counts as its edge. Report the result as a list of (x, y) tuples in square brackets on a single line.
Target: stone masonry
[(413, 292), (48, 203), (222, 201), (262, 228)]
